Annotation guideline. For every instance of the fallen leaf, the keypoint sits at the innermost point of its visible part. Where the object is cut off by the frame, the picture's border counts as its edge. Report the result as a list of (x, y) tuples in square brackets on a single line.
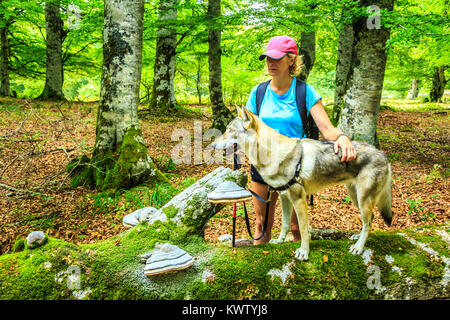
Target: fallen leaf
[(325, 258)]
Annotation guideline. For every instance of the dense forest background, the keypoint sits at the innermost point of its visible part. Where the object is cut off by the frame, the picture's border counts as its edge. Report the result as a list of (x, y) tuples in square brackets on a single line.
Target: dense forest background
[(417, 48)]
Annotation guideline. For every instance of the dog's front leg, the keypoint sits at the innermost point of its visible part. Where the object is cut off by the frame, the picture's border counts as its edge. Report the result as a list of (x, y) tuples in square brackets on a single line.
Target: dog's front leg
[(297, 196), (286, 207)]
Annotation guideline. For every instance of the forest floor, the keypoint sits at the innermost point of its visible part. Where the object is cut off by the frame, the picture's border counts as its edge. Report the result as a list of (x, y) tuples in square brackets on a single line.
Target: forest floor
[(37, 139)]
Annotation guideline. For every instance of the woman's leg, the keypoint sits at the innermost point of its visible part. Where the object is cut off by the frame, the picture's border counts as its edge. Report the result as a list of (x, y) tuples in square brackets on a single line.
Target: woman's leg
[(294, 227), (260, 210)]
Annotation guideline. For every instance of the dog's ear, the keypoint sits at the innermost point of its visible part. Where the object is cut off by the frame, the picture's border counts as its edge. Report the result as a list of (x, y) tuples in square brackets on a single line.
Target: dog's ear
[(249, 118), (239, 112), (244, 114)]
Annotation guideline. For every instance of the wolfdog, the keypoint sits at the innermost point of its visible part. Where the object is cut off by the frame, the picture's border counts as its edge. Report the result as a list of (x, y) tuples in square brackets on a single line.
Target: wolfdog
[(305, 166)]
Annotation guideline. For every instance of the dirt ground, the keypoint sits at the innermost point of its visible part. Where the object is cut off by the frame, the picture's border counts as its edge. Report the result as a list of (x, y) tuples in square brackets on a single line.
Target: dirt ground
[(37, 139)]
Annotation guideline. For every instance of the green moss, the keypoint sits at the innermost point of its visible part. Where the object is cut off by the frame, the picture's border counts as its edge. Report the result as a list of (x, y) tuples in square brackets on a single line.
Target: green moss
[(81, 172), (194, 215), (170, 211), (243, 273), (19, 245), (428, 235), (240, 180), (134, 166), (112, 268)]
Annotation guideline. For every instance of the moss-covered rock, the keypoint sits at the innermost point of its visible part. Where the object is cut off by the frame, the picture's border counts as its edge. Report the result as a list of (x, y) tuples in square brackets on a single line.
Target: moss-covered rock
[(111, 269)]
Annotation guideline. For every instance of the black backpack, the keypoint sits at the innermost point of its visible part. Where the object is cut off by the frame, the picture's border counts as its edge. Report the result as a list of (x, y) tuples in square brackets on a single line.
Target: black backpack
[(310, 128)]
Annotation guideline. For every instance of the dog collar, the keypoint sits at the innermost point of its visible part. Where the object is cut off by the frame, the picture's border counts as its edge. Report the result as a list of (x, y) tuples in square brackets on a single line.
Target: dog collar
[(292, 181)]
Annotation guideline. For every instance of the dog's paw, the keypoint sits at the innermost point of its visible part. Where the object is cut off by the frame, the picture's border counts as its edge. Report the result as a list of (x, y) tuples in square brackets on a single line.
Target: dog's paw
[(356, 249), (354, 237), (301, 254), (276, 241)]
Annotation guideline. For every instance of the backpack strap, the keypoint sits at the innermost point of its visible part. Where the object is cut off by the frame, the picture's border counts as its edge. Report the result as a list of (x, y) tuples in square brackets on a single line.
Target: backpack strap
[(300, 99), (260, 92), (310, 129)]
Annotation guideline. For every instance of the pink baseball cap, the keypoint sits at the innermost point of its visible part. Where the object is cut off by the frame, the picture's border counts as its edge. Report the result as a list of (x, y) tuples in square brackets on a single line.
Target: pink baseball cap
[(278, 47)]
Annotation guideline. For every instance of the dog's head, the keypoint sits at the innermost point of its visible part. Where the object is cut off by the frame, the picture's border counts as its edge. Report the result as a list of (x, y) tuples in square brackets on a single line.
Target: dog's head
[(238, 131)]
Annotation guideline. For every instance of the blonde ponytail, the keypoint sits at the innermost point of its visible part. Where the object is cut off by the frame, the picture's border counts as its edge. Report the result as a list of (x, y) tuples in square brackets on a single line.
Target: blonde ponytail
[(297, 66)]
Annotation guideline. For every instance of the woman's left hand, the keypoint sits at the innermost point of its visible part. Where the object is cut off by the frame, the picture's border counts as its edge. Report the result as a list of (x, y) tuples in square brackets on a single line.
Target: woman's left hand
[(347, 148)]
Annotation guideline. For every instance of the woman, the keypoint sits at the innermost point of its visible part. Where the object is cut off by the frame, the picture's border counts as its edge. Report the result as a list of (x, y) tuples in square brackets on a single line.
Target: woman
[(279, 111)]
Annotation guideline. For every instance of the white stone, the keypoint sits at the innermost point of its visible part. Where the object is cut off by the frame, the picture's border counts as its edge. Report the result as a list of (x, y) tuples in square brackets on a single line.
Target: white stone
[(35, 238), (138, 216), (225, 237)]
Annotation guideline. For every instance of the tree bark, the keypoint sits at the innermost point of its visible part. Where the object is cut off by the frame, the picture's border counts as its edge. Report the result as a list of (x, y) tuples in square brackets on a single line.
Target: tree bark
[(54, 65), (221, 114), (198, 80), (163, 95), (4, 64), (413, 92), (343, 69), (362, 100), (120, 159), (308, 52), (438, 84)]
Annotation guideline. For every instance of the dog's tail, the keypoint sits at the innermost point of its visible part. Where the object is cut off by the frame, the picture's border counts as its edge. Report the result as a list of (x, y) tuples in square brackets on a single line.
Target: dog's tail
[(384, 202)]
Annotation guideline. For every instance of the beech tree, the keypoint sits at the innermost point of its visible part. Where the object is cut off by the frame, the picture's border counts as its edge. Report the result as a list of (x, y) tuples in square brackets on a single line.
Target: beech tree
[(221, 114), (307, 50), (362, 99), (5, 53), (120, 159), (343, 67), (54, 75), (163, 94)]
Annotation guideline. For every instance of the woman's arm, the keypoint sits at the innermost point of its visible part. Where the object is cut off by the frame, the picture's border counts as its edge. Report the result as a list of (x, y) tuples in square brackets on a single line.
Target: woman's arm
[(329, 132)]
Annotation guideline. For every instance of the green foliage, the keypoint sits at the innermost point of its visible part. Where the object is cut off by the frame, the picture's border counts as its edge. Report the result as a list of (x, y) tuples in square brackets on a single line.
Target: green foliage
[(416, 209), (165, 163), (418, 42), (126, 201)]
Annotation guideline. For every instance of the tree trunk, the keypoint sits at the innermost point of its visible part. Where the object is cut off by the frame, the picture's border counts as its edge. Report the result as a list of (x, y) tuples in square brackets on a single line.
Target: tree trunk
[(438, 84), (163, 95), (120, 159), (54, 66), (4, 64), (343, 68), (362, 100), (221, 114), (198, 80), (308, 52), (413, 92)]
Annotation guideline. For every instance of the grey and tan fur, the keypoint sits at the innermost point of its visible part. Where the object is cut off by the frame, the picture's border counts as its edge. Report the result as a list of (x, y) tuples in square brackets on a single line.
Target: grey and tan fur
[(275, 156)]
